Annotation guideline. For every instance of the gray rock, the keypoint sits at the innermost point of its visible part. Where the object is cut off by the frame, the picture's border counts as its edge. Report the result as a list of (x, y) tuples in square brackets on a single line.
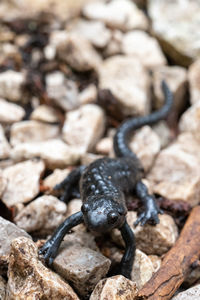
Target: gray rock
[(176, 25), (32, 131), (121, 75), (42, 216), (114, 288), (29, 278), (45, 113), (62, 91), (78, 53), (11, 83), (8, 232), (151, 239), (55, 153), (83, 266), (193, 294), (119, 14), (176, 78), (194, 78), (84, 127), (16, 112), (5, 147), (144, 47), (22, 182)]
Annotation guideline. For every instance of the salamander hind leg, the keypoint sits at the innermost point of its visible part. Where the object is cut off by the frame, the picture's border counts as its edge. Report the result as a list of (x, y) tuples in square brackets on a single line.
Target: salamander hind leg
[(151, 210)]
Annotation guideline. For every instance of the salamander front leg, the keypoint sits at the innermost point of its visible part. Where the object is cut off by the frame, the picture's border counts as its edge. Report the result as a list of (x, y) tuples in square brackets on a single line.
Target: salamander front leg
[(70, 184), (151, 210), (126, 263), (50, 248)]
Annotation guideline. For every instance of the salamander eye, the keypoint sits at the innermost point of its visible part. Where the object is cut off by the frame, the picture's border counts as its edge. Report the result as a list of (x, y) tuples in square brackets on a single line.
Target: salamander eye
[(85, 208), (113, 217)]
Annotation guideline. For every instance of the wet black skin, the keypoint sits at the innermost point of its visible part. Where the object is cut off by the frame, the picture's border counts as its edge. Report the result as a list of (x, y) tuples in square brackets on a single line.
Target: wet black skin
[(103, 186)]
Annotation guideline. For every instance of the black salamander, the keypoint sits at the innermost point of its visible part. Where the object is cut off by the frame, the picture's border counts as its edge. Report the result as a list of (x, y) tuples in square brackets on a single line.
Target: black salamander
[(103, 186)]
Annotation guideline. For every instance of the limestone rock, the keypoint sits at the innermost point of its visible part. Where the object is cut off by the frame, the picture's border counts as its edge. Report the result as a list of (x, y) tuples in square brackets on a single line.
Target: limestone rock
[(94, 31), (104, 146), (29, 278), (115, 45), (5, 147), (54, 178), (84, 127), (74, 206), (151, 239), (142, 269), (22, 182), (2, 288), (176, 25), (32, 131), (176, 78), (144, 47), (121, 75), (83, 266), (190, 120), (88, 158), (114, 288), (88, 95), (42, 216), (119, 14), (55, 153), (156, 261), (163, 131), (8, 232), (146, 144), (62, 91), (175, 173), (78, 53), (193, 294), (45, 113), (11, 83), (194, 79), (10, 112), (3, 182)]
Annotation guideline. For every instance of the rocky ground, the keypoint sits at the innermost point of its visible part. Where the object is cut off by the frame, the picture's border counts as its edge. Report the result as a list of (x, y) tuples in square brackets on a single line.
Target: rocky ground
[(70, 72)]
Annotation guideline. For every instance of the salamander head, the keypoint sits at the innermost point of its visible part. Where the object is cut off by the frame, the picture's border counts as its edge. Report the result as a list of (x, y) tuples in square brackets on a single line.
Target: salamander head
[(101, 214)]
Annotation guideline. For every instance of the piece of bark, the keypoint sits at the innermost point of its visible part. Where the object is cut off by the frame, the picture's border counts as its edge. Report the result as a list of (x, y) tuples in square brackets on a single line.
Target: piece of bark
[(177, 262)]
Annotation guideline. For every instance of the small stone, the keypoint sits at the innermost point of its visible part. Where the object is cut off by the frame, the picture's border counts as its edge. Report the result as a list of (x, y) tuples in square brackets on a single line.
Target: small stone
[(144, 47), (142, 269), (175, 173), (16, 112), (81, 238), (115, 288), (115, 45), (74, 206), (32, 131), (45, 113), (163, 132), (83, 266), (193, 277), (84, 127), (28, 278), (156, 261), (94, 31), (6, 163), (8, 232), (193, 294), (190, 120), (121, 75), (78, 53), (146, 145), (22, 182), (11, 83), (55, 153), (176, 24), (62, 91), (88, 95), (104, 146), (3, 182), (2, 288), (151, 239), (118, 14), (176, 78), (4, 145), (194, 79), (56, 177), (42, 216), (88, 158)]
